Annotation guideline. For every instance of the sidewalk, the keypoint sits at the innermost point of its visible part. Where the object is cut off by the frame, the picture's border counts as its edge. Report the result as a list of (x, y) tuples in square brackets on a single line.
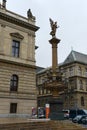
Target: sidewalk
[(19, 120)]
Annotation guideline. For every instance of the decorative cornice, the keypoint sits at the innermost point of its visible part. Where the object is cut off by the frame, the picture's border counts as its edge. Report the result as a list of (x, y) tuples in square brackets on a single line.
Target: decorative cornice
[(18, 22), (17, 63), (17, 35)]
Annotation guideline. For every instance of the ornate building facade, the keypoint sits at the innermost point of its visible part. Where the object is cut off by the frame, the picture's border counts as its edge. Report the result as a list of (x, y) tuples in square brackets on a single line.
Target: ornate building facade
[(74, 75), (17, 62)]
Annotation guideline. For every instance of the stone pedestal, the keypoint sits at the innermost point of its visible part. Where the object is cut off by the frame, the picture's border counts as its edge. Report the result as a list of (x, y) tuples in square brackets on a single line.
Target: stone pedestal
[(56, 107)]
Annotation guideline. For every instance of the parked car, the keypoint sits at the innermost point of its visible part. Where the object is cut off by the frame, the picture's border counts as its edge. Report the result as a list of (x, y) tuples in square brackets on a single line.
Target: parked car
[(74, 112), (83, 120), (80, 119), (66, 114), (76, 119)]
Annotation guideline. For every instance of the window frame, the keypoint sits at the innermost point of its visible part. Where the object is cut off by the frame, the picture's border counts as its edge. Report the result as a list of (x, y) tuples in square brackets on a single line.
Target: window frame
[(13, 107), (15, 48), (86, 85), (81, 84), (79, 70), (82, 101), (14, 83)]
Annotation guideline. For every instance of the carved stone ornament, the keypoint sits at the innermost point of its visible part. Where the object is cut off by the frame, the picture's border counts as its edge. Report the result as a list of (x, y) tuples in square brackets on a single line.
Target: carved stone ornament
[(30, 15), (17, 35)]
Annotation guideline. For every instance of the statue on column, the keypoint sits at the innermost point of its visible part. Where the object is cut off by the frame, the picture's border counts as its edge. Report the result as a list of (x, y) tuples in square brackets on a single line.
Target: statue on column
[(53, 27)]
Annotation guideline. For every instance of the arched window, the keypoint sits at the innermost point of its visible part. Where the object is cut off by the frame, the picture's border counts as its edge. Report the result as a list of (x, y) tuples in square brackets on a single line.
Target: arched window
[(14, 83), (82, 101)]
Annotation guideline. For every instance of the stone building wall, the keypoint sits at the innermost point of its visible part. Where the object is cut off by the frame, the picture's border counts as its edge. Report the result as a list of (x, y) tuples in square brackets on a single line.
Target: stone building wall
[(14, 27), (25, 97), (27, 44)]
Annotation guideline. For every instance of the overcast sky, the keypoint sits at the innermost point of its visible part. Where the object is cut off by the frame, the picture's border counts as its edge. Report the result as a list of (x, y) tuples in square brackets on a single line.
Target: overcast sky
[(71, 16)]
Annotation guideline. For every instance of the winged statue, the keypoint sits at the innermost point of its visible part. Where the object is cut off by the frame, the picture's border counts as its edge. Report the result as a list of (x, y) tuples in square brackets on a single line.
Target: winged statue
[(53, 27)]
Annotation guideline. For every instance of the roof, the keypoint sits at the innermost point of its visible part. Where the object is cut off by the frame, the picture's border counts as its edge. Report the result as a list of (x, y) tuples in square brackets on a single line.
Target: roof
[(42, 70), (76, 57), (38, 69)]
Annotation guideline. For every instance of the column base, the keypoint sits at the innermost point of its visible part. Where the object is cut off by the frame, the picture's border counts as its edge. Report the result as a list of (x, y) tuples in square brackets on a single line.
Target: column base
[(56, 107)]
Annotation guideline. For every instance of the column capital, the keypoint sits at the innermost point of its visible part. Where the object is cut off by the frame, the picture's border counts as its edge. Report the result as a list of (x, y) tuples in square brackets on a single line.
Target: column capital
[(54, 40)]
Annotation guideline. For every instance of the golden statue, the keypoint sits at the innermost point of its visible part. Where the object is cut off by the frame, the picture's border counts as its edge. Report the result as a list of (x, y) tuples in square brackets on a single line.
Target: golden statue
[(53, 27)]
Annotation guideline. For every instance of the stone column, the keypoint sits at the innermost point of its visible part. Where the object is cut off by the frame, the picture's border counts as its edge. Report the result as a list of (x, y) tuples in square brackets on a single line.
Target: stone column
[(54, 41)]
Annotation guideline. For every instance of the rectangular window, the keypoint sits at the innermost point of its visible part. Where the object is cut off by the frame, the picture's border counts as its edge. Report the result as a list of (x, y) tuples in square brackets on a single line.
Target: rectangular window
[(71, 71), (13, 107), (86, 72), (81, 84), (86, 84), (79, 70), (15, 48)]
